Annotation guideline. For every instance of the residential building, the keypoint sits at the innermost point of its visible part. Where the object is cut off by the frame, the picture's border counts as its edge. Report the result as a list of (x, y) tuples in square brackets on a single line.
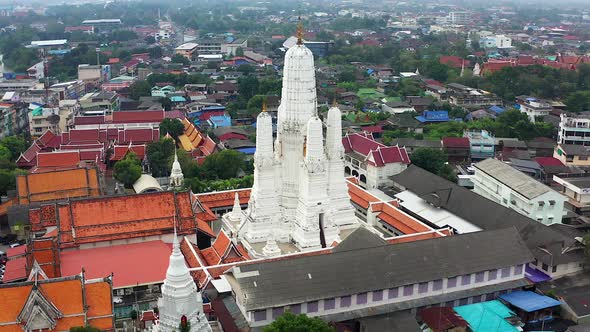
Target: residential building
[(460, 18), (396, 107), (187, 50), (94, 74), (427, 275), (576, 187), (497, 41), (481, 144), (14, 119), (574, 129), (507, 186), (104, 101), (464, 96), (372, 162), (533, 107), (42, 119), (572, 155), (230, 48), (103, 25), (457, 149), (209, 46)]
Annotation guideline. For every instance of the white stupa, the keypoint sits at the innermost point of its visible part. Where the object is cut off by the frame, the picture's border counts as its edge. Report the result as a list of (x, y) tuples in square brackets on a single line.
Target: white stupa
[(180, 297), (299, 193), (176, 176)]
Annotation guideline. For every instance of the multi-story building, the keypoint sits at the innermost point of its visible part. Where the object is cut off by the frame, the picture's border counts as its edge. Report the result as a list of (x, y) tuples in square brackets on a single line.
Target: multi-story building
[(577, 188), (103, 25), (107, 101), (372, 162), (209, 46), (572, 155), (94, 73), (42, 119), (481, 144), (574, 129), (459, 18), (187, 50), (232, 47), (464, 96), (533, 107), (507, 186), (13, 119)]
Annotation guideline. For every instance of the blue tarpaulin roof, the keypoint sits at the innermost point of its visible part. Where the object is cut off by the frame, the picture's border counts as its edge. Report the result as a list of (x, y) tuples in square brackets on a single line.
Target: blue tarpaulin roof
[(220, 121), (529, 301), (487, 316), (213, 108), (247, 150), (177, 99), (497, 109), (433, 116)]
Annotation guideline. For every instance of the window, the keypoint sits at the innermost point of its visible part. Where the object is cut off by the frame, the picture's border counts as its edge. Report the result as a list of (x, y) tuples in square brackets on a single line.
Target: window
[(463, 301), (259, 315), (295, 308), (377, 295), (408, 290), (312, 306), (583, 157), (492, 274), (422, 287), (38, 129), (466, 280), (276, 312), (545, 267), (437, 285), (518, 269), (554, 268), (504, 200), (361, 298), (393, 293), (505, 272), (329, 304), (452, 282), (345, 301), (479, 276)]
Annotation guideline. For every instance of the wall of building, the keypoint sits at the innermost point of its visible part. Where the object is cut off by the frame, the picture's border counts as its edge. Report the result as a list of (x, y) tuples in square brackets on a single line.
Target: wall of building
[(546, 213), (388, 296)]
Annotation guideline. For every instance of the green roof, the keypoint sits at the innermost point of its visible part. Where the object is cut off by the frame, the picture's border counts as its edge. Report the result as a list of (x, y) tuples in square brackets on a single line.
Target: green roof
[(388, 99), (368, 93), (487, 316)]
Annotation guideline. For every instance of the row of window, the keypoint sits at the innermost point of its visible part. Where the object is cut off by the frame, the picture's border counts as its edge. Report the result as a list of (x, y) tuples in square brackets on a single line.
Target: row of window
[(394, 293)]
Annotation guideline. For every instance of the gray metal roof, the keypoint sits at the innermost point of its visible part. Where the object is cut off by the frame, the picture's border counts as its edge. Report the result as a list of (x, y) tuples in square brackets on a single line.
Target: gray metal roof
[(574, 150), (309, 278), (488, 215), (514, 179)]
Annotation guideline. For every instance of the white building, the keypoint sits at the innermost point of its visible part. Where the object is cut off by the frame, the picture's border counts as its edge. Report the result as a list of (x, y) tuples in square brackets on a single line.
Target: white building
[(299, 194), (372, 162), (507, 186), (180, 297), (533, 107), (574, 129)]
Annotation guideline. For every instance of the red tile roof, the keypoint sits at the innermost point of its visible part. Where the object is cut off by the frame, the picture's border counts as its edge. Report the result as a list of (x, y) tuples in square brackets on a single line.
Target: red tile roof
[(58, 159), (223, 199), (15, 270), (138, 135), (441, 319), (88, 120), (375, 152), (138, 116), (16, 251), (49, 140), (131, 264), (120, 151), (451, 60), (227, 136), (29, 157), (455, 142)]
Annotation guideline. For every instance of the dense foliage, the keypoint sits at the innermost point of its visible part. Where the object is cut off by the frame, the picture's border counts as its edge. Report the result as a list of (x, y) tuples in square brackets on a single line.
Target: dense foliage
[(128, 170), (289, 322), (434, 161), (171, 126)]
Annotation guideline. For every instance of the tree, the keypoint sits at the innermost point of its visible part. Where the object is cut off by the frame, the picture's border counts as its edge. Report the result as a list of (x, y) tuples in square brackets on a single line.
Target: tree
[(150, 40), (166, 103), (86, 328), (160, 156), (179, 58), (171, 126), (289, 322), (433, 160), (140, 89), (224, 164), (128, 170), (15, 144)]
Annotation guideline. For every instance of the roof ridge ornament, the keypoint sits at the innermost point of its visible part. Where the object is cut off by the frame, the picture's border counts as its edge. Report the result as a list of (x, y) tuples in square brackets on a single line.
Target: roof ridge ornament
[(299, 31)]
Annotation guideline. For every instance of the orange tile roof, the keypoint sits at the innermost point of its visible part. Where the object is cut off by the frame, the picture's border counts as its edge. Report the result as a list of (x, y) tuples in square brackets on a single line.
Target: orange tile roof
[(55, 185), (15, 270), (123, 217), (97, 295), (58, 159), (360, 196), (223, 198), (399, 219)]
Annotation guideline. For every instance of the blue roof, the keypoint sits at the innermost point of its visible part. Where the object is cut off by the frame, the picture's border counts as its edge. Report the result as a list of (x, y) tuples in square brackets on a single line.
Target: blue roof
[(213, 108), (487, 316), (535, 275), (177, 99), (433, 116), (497, 109), (220, 121), (247, 150), (529, 301), (370, 71)]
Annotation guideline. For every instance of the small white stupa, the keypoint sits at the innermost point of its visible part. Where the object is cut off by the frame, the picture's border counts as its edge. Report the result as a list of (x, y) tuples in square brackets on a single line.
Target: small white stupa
[(176, 176)]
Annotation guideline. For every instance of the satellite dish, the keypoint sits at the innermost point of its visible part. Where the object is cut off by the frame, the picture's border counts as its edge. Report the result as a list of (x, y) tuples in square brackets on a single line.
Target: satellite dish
[(53, 119)]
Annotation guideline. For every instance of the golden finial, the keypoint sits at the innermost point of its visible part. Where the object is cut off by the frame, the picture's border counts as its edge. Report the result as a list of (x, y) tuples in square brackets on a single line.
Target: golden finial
[(264, 105), (299, 32), (334, 102)]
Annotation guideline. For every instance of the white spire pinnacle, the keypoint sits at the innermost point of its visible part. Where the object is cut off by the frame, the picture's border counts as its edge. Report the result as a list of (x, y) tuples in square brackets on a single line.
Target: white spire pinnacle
[(237, 209), (176, 176)]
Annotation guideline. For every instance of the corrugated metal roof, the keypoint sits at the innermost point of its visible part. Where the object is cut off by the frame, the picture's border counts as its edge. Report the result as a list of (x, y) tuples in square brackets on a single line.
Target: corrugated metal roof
[(516, 180)]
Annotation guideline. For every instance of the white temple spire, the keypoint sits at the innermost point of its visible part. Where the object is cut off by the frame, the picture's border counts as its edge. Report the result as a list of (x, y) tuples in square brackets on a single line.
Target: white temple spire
[(176, 176)]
